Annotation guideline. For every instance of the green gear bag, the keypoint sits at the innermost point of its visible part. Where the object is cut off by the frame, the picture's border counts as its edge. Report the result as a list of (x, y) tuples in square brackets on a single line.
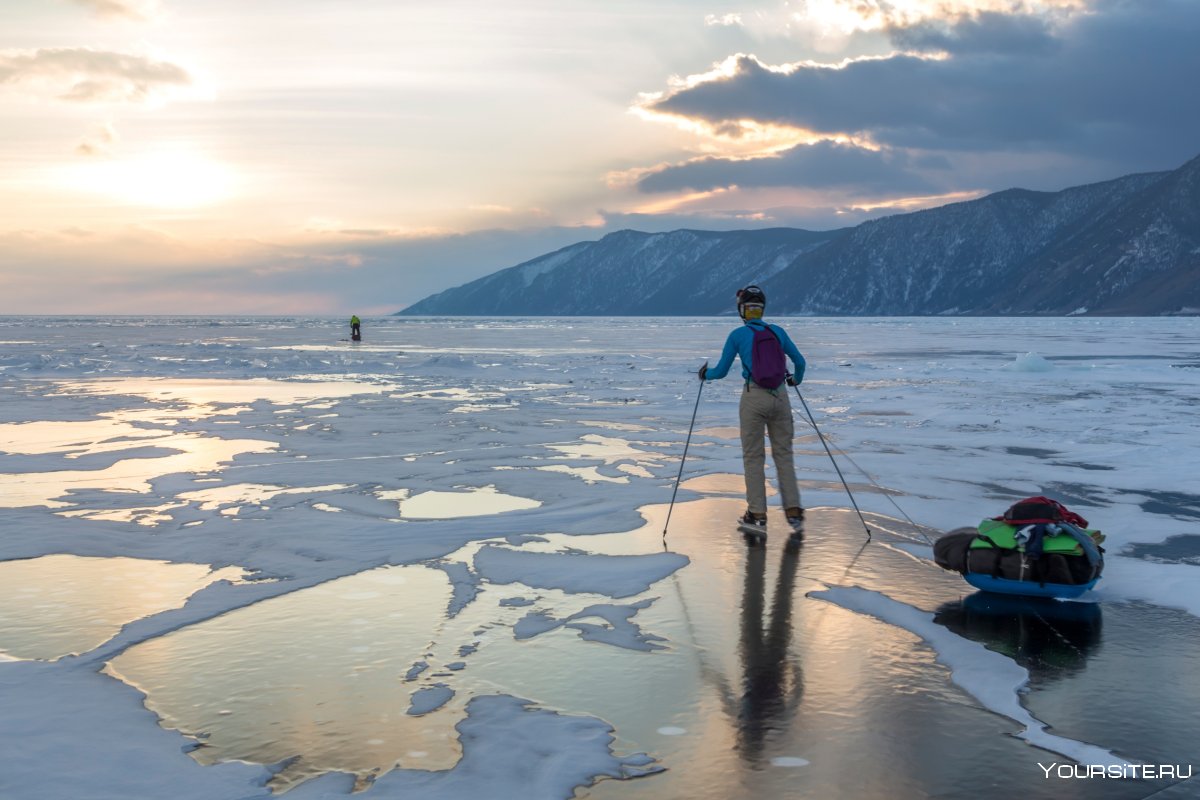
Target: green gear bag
[(1002, 535)]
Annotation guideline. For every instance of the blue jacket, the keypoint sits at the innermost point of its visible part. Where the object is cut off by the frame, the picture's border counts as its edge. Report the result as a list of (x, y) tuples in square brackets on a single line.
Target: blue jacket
[(741, 342)]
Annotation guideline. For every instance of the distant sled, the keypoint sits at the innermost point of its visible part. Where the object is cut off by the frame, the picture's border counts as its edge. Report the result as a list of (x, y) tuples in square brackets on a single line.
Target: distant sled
[(1038, 548)]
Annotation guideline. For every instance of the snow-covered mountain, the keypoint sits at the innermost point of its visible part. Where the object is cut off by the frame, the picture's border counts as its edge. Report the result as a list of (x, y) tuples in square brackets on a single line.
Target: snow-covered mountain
[(1126, 246)]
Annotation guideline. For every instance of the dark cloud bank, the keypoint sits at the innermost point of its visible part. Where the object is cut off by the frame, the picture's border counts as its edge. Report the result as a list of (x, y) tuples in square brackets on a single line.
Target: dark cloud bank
[(1099, 94)]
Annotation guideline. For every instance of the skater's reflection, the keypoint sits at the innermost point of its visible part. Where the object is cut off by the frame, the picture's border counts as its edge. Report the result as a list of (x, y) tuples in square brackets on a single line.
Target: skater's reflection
[(1048, 637), (772, 683)]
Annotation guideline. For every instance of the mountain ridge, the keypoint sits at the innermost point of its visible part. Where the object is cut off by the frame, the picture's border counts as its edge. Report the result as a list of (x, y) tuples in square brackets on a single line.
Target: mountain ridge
[(1125, 246)]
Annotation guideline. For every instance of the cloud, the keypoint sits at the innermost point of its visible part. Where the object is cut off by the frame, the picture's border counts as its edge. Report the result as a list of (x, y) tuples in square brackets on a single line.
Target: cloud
[(722, 20), (92, 76), (986, 32), (99, 143), (127, 9), (820, 165), (1110, 84)]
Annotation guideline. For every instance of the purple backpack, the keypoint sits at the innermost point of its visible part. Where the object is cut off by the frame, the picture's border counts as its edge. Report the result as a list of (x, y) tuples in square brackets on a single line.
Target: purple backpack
[(767, 366)]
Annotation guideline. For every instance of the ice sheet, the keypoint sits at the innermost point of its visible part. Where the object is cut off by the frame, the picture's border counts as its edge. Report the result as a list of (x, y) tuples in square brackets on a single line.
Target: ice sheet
[(138, 438)]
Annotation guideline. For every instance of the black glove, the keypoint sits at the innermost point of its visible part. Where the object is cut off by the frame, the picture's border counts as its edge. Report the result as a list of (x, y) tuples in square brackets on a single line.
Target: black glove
[(703, 372), (791, 380)]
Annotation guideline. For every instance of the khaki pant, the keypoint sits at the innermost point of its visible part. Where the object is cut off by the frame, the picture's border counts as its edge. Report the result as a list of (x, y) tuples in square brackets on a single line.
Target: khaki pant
[(761, 409)]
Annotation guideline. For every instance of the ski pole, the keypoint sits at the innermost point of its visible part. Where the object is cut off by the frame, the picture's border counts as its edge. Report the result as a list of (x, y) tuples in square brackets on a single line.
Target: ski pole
[(832, 459), (679, 477)]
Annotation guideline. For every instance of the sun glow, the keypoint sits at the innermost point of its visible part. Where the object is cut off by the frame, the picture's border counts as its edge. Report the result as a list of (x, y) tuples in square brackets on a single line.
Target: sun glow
[(913, 203), (844, 17), (163, 179)]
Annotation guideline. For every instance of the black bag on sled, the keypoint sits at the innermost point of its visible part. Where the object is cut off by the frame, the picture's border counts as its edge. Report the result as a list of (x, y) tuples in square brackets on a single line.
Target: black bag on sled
[(950, 551)]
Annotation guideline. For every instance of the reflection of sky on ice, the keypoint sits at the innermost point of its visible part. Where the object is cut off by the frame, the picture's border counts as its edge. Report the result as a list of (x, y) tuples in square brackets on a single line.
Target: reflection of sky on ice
[(136, 458), (70, 604), (193, 442), (476, 502)]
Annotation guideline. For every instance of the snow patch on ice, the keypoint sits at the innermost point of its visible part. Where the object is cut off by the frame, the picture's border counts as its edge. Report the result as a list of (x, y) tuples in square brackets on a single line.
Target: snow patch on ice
[(512, 749), (104, 738), (464, 585), (429, 699), (1167, 585), (576, 573), (619, 631), (588, 474)]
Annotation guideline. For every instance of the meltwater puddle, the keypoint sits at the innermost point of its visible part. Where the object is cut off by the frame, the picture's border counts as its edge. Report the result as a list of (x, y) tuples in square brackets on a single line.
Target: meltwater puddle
[(618, 458), (376, 669), (61, 605), (467, 502), (128, 468), (318, 674), (207, 395), (723, 669), (605, 449), (44, 463)]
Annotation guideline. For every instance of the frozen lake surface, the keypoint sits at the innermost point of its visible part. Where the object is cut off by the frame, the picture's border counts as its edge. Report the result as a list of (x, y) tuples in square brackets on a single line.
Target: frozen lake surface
[(244, 556)]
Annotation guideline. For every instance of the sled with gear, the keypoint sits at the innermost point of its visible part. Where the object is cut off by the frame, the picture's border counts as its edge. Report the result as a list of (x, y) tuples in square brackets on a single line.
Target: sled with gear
[(1037, 548)]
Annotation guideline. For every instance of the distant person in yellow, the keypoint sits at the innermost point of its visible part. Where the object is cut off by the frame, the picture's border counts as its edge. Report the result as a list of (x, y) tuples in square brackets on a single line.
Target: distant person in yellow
[(355, 329)]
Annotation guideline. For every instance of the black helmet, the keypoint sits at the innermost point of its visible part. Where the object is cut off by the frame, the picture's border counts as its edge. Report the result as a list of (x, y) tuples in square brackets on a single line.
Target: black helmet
[(750, 296)]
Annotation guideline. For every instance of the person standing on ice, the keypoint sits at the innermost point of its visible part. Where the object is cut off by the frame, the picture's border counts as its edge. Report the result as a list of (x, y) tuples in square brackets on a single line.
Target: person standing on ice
[(764, 406), (355, 328)]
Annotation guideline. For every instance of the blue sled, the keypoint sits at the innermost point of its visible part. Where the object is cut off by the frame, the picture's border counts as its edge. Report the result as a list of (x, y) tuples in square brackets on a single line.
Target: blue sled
[(1027, 588)]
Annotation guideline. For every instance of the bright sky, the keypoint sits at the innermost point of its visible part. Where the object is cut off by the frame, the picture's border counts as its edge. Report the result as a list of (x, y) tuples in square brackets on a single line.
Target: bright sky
[(161, 156)]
